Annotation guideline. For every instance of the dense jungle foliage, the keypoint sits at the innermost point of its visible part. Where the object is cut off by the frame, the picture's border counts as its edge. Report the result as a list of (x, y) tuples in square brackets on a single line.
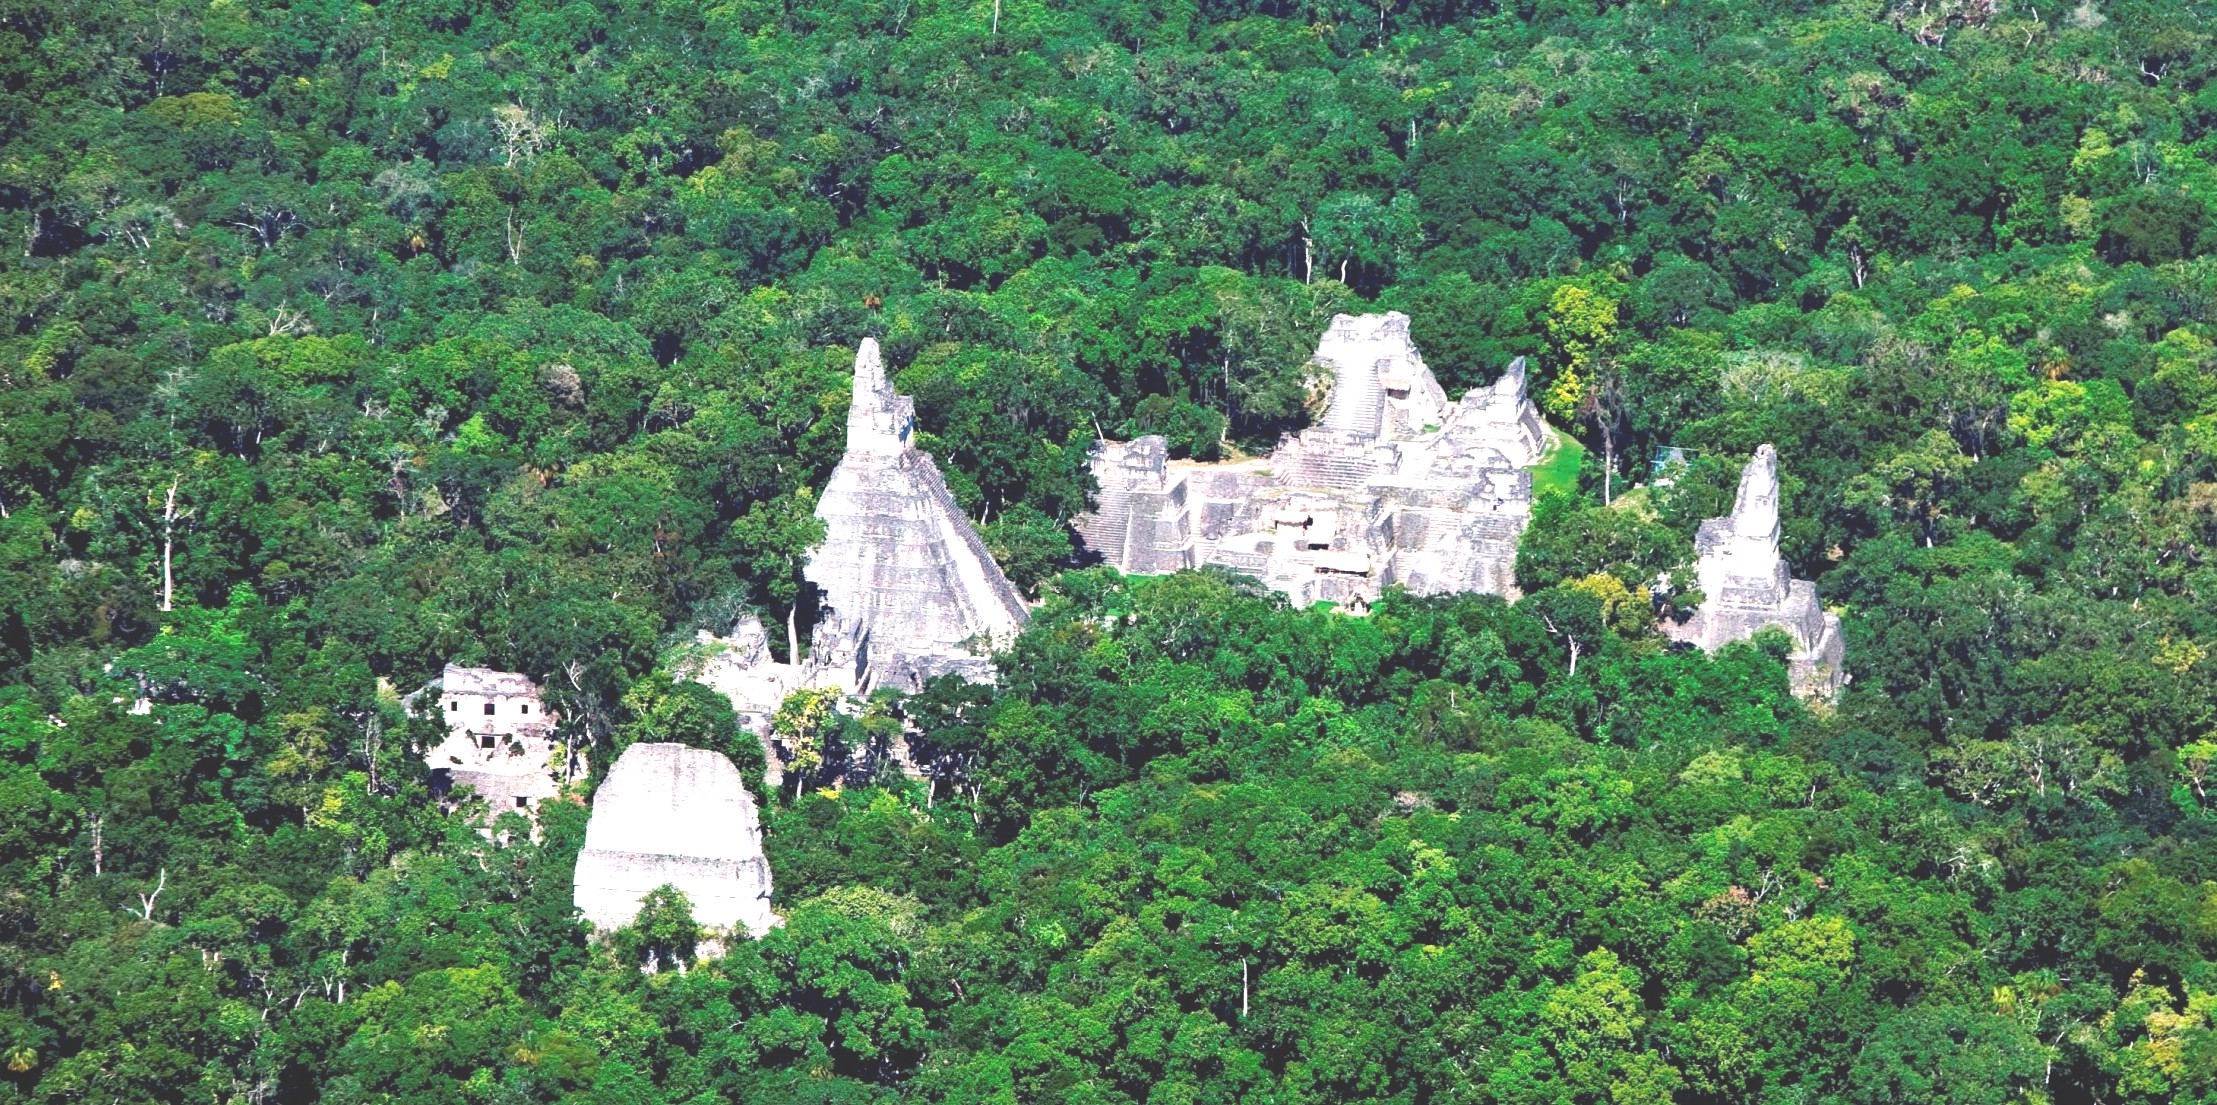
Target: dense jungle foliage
[(518, 334)]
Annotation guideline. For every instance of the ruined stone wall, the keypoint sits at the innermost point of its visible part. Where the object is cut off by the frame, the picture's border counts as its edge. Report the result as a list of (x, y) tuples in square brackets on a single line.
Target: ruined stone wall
[(482, 700), (500, 741), (738, 665), (1414, 490), (1499, 417), (503, 791)]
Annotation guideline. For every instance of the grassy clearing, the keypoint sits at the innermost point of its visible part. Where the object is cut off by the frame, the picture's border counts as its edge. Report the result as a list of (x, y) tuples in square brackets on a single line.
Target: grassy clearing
[(1558, 467), (1636, 499)]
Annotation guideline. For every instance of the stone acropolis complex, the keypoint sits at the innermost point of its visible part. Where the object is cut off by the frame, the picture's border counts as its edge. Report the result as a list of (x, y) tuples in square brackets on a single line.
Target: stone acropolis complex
[(1395, 484), (1745, 586), (673, 815)]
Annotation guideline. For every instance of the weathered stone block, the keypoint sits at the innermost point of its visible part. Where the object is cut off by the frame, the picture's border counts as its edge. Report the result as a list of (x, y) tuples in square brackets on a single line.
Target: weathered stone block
[(500, 741), (1746, 586), (672, 815)]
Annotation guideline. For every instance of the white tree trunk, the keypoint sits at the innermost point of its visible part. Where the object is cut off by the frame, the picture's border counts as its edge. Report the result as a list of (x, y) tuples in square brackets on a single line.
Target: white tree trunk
[(169, 541), (146, 901), (373, 740), (1608, 467)]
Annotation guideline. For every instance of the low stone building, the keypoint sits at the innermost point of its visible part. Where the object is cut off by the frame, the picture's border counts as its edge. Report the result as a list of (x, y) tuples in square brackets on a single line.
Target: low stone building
[(1393, 485), (1745, 586), (500, 741), (678, 816), (907, 589)]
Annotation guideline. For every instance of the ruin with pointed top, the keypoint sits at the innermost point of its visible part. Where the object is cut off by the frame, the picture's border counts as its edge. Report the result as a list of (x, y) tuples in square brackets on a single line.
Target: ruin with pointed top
[(1746, 586), (1394, 484), (907, 590)]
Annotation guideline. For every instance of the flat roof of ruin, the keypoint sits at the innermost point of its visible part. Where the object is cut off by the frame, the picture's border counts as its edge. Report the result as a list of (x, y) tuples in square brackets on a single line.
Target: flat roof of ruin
[(463, 680)]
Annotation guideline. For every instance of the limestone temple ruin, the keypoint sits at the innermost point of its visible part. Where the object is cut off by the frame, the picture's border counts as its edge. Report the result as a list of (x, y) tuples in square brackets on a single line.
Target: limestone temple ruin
[(1746, 588), (739, 666), (673, 815), (1395, 484), (908, 590), (500, 740)]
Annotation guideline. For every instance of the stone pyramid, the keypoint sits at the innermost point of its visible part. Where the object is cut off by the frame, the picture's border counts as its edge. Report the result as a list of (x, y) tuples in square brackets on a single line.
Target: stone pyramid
[(1746, 586), (906, 587), (677, 815)]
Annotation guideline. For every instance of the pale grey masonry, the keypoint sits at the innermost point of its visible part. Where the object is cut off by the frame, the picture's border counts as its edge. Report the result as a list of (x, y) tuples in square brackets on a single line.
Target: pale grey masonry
[(907, 589), (1395, 484), (739, 666), (678, 816), (501, 740), (1140, 521), (1746, 587)]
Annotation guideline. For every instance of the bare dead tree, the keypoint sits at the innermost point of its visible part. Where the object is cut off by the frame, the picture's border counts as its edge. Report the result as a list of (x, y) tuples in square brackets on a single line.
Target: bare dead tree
[(146, 900), (1577, 647), (523, 133), (265, 223), (171, 517), (288, 323), (373, 744)]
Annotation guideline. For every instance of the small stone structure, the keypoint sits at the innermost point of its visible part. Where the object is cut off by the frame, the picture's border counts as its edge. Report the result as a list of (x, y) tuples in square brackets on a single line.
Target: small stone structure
[(1393, 485), (739, 665), (1141, 521), (669, 814), (908, 591), (500, 740), (1745, 586)]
